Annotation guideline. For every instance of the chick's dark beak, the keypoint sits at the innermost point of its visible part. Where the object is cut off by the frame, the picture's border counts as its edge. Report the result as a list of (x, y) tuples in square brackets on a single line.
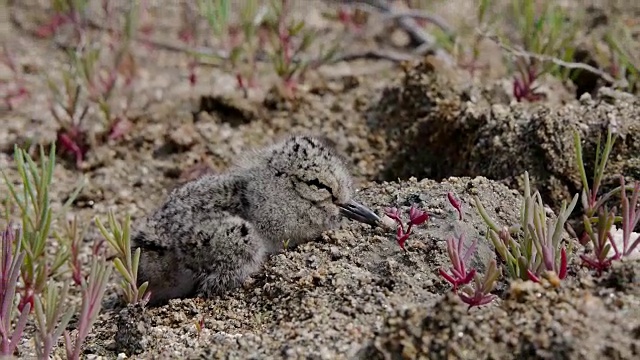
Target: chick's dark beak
[(356, 211)]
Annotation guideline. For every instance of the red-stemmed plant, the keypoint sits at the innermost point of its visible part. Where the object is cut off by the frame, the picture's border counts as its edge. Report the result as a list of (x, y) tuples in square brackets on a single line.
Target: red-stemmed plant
[(601, 235), (455, 203), (100, 78), (630, 217), (92, 290), (480, 293), (416, 217), (11, 261), (524, 87), (602, 241), (459, 274), (598, 229)]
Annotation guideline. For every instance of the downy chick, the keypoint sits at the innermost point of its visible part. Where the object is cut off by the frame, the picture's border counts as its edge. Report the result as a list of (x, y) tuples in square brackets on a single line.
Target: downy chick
[(214, 232)]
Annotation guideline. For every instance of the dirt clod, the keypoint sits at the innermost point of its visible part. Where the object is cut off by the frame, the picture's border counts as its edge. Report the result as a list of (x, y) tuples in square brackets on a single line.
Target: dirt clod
[(132, 325)]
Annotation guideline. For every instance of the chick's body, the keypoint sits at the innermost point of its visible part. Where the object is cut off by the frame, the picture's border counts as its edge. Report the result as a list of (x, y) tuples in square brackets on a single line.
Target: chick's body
[(214, 232)]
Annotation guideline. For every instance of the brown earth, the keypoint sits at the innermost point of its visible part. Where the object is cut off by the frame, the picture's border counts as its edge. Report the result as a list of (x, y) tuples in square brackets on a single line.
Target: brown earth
[(354, 293)]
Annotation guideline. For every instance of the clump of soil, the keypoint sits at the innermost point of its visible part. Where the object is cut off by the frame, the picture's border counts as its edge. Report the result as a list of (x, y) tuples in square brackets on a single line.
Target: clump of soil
[(131, 328), (435, 127), (533, 322)]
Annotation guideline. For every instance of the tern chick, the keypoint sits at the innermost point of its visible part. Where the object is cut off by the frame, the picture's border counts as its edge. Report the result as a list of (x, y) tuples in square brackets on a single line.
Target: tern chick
[(212, 233)]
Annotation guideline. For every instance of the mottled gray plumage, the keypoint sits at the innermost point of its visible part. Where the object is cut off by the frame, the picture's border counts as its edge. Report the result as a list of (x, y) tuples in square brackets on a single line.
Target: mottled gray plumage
[(214, 232)]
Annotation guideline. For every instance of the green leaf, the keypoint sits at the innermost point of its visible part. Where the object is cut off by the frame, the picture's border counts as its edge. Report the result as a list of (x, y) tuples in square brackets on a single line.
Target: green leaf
[(485, 216), (122, 270), (126, 239), (491, 275), (498, 245), (523, 265), (605, 251), (66, 318), (482, 10), (135, 262), (295, 28), (142, 290), (12, 191)]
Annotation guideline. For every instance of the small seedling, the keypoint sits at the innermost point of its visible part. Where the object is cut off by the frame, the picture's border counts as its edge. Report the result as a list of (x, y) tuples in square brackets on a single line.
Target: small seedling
[(537, 249), (93, 289), (32, 198), (480, 294), (72, 236), (187, 34), (524, 83), (65, 12), (40, 270), (601, 235), (51, 317), (289, 39), (622, 55), (199, 325), (416, 217), (126, 263), (265, 32), (464, 44), (455, 203), (459, 274), (544, 29), (99, 81), (598, 229), (630, 218), (591, 201), (11, 324), (602, 241), (239, 43)]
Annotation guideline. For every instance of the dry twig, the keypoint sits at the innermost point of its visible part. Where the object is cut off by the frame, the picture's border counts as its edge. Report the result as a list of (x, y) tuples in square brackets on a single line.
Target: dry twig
[(545, 58), (408, 23), (394, 56)]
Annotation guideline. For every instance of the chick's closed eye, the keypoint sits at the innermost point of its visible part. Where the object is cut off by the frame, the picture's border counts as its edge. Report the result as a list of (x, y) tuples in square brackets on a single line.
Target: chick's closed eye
[(319, 185)]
